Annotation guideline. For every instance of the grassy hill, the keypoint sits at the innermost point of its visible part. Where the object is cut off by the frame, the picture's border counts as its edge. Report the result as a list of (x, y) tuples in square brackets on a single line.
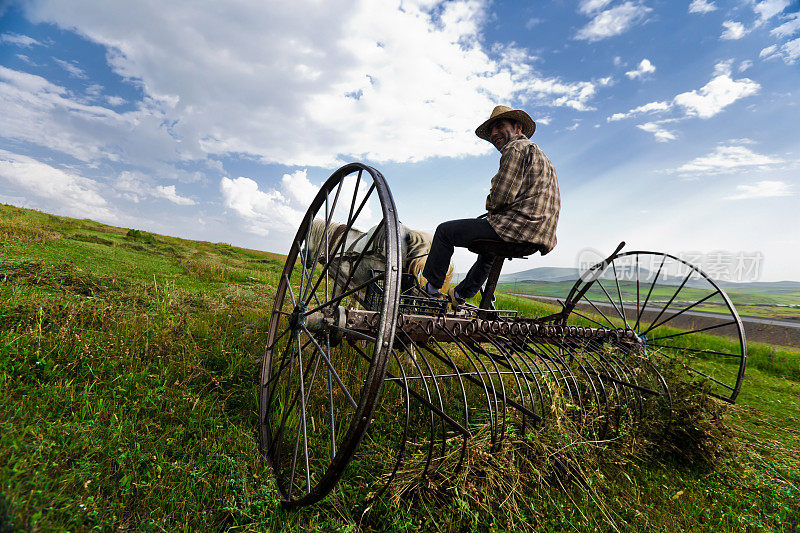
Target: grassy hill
[(128, 381)]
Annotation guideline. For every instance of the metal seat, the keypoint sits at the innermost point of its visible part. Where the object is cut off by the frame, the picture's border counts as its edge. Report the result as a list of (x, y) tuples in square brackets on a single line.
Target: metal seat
[(505, 249)]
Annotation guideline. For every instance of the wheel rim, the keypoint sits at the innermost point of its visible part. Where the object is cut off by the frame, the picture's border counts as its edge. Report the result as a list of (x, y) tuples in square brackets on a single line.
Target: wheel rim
[(679, 315), (317, 394)]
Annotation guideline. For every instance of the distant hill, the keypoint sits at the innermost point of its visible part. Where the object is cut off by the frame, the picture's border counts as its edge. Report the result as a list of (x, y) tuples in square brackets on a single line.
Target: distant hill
[(542, 274), (559, 274)]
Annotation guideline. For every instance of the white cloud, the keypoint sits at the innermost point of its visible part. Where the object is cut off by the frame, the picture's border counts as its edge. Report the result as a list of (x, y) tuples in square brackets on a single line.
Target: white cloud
[(745, 65), (644, 67), (261, 211), (298, 187), (705, 102), (768, 51), (761, 189), (652, 107), (728, 158), (717, 94), (789, 51), (733, 30), (587, 7), (533, 22), (74, 194), (168, 192), (281, 210), (613, 21), (769, 8), (660, 134), (115, 100), (345, 76), (73, 70), (19, 40), (702, 6), (136, 186), (790, 27), (37, 111)]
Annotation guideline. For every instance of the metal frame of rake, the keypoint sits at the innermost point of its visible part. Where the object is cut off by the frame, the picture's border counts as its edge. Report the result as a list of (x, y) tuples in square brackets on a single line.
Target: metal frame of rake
[(394, 380)]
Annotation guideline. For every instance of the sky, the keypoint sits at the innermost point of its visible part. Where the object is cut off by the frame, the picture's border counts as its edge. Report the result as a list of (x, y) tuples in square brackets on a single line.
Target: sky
[(672, 125)]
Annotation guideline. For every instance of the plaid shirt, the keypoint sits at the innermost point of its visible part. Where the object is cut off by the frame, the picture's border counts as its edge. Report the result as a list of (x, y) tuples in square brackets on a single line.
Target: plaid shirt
[(524, 201)]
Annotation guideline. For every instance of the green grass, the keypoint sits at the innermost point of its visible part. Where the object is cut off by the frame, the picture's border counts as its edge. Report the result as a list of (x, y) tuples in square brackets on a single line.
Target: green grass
[(128, 371), (749, 301)]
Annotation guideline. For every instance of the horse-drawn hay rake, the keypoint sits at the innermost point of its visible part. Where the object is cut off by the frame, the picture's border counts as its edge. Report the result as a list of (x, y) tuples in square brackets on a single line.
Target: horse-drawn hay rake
[(359, 365)]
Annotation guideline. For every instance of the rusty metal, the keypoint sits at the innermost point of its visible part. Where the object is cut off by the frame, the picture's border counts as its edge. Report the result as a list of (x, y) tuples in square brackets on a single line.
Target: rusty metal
[(355, 369)]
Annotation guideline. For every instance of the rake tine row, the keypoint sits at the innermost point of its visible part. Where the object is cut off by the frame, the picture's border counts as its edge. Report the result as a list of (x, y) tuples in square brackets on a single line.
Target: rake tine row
[(454, 386)]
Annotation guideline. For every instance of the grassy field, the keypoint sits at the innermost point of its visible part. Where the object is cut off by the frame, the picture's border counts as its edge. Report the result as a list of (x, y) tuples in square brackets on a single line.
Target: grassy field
[(753, 301), (128, 381)]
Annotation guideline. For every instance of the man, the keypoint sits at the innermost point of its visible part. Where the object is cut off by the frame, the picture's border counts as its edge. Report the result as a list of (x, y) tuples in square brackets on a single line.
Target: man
[(523, 205)]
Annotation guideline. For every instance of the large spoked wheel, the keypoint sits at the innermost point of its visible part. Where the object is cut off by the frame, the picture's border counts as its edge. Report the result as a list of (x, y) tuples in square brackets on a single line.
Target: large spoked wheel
[(317, 392), (679, 315)]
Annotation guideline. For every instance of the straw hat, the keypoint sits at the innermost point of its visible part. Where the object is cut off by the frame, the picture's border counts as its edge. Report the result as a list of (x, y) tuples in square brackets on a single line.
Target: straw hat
[(501, 111)]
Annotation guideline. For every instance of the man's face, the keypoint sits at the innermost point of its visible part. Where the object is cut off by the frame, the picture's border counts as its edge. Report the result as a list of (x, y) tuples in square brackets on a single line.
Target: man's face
[(501, 132)]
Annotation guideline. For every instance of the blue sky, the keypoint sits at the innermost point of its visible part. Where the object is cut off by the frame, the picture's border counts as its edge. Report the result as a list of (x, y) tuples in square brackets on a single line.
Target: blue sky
[(672, 125)]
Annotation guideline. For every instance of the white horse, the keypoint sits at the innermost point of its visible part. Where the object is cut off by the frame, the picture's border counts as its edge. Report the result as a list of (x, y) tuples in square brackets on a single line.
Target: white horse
[(414, 248)]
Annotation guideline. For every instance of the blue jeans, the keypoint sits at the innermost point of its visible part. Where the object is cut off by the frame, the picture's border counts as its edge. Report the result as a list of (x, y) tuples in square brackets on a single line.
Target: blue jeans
[(459, 233)]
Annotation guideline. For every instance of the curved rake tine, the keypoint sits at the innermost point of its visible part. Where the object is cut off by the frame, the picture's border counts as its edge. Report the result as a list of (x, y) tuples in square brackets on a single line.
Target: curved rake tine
[(458, 372), (531, 375), (503, 394), (548, 353), (508, 358), (432, 439), (611, 374), (403, 438), (602, 395), (481, 382), (432, 376), (432, 409), (521, 355)]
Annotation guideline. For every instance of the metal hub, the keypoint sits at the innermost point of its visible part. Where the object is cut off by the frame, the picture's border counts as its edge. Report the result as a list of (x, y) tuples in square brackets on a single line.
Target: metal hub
[(298, 316)]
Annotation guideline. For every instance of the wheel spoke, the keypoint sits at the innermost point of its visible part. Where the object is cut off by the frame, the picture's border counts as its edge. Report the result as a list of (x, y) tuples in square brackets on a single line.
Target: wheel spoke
[(347, 229), (637, 293), (333, 370), (670, 301), (587, 318), (303, 426), (287, 406), (309, 433), (647, 298), (696, 350), (599, 311), (330, 402), (612, 301), (354, 265), (328, 219), (339, 298), (289, 286), (699, 372), (675, 315), (732, 322)]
